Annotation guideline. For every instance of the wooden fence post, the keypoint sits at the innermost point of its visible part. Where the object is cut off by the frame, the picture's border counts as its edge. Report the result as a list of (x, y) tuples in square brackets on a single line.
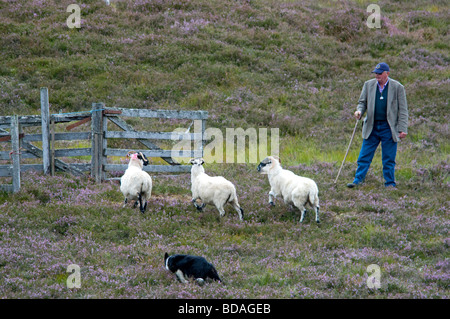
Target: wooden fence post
[(45, 119), (104, 144), (15, 153), (53, 148), (97, 142)]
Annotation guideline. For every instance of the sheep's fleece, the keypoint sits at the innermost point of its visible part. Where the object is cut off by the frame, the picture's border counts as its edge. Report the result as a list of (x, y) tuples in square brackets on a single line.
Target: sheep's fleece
[(295, 190), (135, 183), (212, 189)]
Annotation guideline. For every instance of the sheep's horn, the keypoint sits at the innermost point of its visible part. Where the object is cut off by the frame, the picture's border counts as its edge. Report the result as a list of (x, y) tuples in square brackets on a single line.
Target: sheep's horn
[(144, 158)]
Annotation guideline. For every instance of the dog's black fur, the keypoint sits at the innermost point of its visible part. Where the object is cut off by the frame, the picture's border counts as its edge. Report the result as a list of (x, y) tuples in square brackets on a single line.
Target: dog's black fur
[(190, 266)]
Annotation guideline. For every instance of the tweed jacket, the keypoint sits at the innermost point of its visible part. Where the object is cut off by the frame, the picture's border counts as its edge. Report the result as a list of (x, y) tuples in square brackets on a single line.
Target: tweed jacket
[(397, 108)]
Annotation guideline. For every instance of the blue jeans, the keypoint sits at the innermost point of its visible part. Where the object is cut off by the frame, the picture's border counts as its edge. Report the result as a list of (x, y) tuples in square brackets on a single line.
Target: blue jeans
[(381, 133)]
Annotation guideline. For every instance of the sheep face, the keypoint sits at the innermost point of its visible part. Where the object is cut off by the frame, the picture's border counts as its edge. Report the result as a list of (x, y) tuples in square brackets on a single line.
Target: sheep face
[(197, 161), (139, 157), (197, 167), (267, 164)]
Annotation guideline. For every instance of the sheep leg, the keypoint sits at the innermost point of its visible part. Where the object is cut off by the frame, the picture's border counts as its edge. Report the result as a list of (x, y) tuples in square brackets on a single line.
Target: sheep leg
[(303, 215), (221, 210), (141, 206), (199, 207), (125, 202), (272, 196), (239, 210), (301, 206), (195, 204), (317, 215), (145, 206)]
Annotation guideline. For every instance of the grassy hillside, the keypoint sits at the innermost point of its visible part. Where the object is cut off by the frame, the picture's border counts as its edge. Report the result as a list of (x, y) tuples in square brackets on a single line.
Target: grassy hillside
[(294, 65), (298, 66)]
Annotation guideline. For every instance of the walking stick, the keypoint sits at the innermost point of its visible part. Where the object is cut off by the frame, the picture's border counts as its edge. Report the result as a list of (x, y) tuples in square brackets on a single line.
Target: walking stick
[(348, 148)]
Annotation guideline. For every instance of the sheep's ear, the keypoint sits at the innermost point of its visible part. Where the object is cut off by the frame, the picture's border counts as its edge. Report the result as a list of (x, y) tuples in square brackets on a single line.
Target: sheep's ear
[(166, 255), (277, 158), (192, 161), (202, 161)]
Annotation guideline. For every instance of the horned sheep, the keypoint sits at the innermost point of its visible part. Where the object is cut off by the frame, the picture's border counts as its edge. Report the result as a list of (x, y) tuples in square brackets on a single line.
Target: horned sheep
[(295, 190), (212, 189), (136, 184)]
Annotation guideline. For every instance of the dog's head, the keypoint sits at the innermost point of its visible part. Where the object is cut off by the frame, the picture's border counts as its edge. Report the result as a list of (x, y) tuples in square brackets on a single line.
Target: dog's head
[(166, 260), (268, 163), (171, 262)]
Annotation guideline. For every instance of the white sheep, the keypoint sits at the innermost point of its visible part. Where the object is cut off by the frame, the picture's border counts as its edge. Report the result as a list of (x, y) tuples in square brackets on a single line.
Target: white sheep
[(135, 183), (295, 190), (212, 189)]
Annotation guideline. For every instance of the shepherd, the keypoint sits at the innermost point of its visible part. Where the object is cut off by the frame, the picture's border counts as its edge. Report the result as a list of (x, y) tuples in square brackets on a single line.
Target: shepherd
[(386, 121)]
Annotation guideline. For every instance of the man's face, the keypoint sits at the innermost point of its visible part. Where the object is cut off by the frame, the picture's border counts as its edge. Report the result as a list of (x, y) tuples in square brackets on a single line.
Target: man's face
[(382, 78)]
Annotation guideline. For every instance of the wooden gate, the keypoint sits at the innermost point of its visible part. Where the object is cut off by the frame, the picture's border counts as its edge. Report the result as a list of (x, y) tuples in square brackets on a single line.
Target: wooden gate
[(98, 135)]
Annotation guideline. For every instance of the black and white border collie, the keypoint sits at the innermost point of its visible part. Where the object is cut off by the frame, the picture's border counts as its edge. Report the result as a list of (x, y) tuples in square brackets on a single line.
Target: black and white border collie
[(185, 266)]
